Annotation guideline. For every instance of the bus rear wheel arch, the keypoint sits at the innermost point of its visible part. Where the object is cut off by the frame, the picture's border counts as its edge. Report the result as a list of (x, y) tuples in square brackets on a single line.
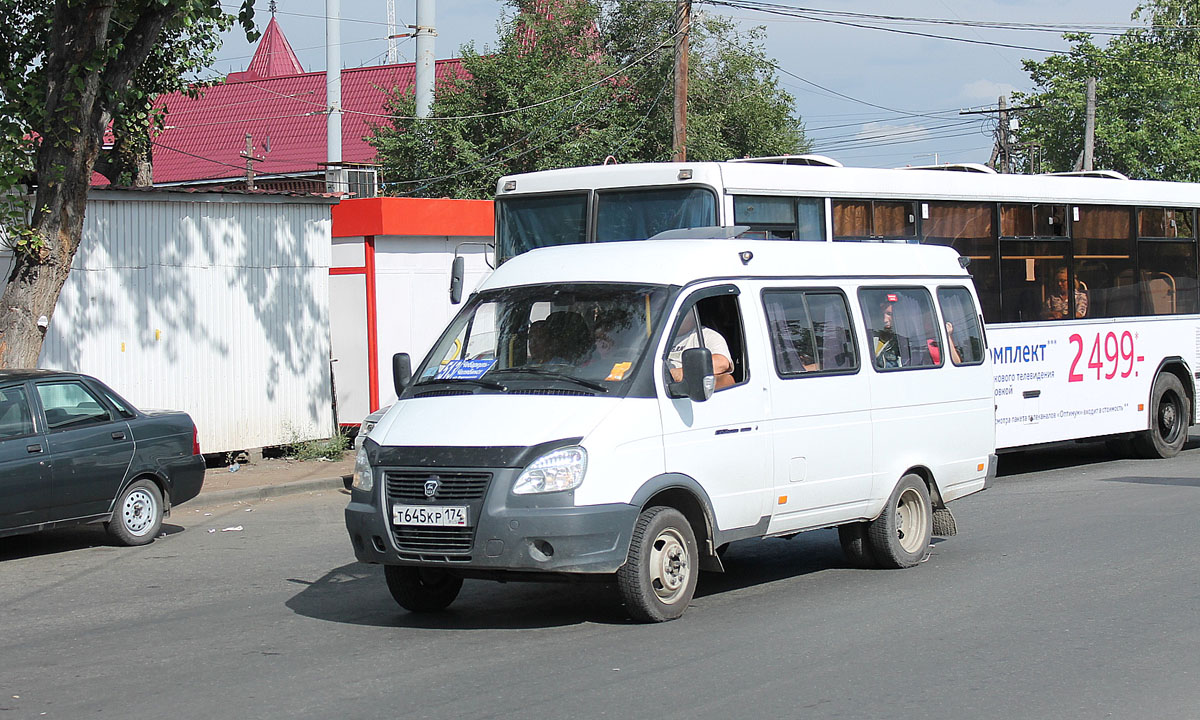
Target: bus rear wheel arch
[(1170, 414)]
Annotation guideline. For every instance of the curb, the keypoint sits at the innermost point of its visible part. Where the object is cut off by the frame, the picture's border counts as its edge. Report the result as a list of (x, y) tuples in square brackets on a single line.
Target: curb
[(263, 492)]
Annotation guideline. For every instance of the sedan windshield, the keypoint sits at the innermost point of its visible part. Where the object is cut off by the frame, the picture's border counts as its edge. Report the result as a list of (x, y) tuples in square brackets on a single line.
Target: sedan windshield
[(587, 338)]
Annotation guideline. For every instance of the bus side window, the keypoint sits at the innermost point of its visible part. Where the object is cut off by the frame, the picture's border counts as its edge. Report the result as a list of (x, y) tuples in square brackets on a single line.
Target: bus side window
[(964, 338)]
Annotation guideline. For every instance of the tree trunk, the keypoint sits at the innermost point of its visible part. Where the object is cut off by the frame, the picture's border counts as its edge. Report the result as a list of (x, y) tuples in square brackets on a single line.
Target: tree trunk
[(83, 82)]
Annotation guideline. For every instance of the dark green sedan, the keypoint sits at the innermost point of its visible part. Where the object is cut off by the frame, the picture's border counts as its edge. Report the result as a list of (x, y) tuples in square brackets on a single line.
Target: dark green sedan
[(72, 451)]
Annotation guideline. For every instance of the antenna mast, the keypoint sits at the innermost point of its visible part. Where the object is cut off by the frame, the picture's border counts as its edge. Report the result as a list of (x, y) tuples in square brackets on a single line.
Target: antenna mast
[(393, 56)]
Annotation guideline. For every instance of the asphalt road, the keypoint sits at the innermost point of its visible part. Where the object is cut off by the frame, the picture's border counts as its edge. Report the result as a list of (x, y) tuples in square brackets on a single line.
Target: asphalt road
[(1070, 592)]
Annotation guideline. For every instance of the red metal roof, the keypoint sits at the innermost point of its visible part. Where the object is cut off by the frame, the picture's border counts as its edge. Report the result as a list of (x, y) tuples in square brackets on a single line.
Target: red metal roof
[(273, 58), (203, 138)]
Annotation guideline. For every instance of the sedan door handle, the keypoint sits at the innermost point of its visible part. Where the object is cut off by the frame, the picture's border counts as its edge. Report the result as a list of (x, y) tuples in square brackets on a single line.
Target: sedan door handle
[(118, 435), (34, 448)]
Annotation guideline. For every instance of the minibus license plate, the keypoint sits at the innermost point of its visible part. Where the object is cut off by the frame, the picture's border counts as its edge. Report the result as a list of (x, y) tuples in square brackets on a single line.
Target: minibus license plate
[(431, 515)]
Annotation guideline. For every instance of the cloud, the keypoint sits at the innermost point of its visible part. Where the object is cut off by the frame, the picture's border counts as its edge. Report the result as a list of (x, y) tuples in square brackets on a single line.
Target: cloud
[(882, 130), (987, 90)]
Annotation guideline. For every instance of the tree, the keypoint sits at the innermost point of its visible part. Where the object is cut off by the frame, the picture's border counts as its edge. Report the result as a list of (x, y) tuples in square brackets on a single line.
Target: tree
[(70, 70), (1147, 99), (573, 82)]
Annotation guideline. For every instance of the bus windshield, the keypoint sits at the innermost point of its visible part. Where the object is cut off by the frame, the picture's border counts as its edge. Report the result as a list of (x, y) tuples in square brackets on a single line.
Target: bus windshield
[(586, 338), (639, 214), (534, 221)]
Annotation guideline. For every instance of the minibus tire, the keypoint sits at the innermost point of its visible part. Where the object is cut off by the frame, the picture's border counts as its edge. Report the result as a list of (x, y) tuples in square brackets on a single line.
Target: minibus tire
[(421, 589), (659, 576), (853, 537), (1169, 414), (900, 536)]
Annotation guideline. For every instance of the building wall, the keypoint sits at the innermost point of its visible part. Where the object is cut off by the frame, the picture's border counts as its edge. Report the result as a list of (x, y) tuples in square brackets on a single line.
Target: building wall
[(217, 304), (413, 295), (412, 307)]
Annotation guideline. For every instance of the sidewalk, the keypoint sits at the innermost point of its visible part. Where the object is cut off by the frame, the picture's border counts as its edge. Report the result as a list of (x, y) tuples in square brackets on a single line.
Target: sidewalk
[(271, 478)]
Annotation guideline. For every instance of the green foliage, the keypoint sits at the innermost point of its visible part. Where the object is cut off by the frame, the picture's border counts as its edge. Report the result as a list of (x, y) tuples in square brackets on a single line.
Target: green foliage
[(320, 449), (44, 83), (592, 82), (1147, 99)]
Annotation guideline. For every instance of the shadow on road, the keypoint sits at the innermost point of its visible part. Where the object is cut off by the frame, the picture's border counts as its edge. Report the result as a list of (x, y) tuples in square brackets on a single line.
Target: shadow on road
[(357, 593), (1173, 481), (1066, 455), (52, 542)]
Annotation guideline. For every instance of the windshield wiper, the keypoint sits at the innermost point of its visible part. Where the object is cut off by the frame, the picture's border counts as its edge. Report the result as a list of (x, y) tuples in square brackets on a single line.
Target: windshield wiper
[(557, 376), (487, 384)]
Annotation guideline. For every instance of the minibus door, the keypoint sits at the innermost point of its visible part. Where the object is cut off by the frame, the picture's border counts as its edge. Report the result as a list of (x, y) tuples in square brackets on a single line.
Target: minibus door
[(722, 442)]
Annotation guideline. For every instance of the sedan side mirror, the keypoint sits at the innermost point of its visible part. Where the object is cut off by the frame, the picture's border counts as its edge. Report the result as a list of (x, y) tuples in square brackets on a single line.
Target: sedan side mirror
[(698, 380), (401, 372)]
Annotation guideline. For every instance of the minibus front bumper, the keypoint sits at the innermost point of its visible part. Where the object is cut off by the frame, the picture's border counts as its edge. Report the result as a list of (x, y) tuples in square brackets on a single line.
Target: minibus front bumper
[(537, 534)]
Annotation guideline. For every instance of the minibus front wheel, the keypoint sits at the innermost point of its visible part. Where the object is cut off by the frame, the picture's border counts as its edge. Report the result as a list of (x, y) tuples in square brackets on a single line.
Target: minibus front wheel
[(658, 578), (422, 589), (900, 536)]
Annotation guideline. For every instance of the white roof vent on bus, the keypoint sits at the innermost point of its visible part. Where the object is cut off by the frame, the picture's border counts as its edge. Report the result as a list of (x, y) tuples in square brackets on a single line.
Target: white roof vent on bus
[(954, 167), (714, 232), (1106, 174), (813, 160)]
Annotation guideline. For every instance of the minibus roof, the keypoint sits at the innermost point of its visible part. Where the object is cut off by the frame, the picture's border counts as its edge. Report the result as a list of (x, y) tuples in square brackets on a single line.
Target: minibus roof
[(680, 262)]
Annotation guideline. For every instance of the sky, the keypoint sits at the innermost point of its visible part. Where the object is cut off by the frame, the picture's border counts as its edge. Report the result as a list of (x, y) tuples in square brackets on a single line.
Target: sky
[(872, 92)]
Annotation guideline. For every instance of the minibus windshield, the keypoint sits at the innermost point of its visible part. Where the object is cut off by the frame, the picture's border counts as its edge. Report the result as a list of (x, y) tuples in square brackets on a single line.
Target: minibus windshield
[(587, 337)]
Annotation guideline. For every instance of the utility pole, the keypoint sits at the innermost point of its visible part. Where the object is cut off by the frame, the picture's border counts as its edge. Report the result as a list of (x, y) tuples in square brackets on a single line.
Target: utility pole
[(248, 153), (425, 32), (683, 21), (335, 174), (1001, 160), (1089, 126)]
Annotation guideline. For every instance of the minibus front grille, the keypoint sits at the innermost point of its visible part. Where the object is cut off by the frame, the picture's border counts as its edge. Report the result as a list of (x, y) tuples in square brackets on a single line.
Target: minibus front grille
[(407, 486), (550, 391), (434, 543)]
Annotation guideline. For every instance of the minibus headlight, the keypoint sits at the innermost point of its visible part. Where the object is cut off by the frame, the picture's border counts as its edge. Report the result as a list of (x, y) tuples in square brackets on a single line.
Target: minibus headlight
[(364, 479), (562, 469)]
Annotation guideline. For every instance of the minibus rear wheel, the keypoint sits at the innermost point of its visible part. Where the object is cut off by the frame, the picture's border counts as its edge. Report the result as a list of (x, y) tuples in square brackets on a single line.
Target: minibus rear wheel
[(899, 537), (421, 589), (659, 576), (853, 537)]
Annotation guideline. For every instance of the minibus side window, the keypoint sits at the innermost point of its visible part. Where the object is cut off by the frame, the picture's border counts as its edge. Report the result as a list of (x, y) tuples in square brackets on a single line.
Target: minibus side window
[(963, 334), (902, 328), (810, 332)]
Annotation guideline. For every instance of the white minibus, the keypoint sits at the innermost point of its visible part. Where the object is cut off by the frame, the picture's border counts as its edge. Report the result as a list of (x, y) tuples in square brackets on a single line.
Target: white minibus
[(623, 411)]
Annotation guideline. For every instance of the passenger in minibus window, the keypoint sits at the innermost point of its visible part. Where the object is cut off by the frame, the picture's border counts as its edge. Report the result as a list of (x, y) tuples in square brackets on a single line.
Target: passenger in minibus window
[(687, 338), (1058, 302), (885, 342)]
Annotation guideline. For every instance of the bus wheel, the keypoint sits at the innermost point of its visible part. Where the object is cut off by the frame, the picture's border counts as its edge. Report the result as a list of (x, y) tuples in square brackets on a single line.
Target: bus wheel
[(853, 537), (658, 579), (1169, 415), (421, 589), (899, 537)]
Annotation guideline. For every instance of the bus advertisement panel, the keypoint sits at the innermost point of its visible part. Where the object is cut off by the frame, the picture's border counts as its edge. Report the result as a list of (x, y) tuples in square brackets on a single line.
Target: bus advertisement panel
[(1084, 379)]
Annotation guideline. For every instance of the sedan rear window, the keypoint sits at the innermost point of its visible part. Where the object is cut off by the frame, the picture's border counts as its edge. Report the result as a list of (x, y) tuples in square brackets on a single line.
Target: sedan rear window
[(15, 419), (70, 404)]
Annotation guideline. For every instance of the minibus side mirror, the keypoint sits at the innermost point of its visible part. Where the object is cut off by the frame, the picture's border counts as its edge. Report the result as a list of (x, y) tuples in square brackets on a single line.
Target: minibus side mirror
[(401, 372), (457, 273), (698, 379)]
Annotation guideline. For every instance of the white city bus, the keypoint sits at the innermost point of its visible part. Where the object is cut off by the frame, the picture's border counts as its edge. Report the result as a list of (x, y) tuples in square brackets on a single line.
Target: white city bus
[(1088, 282)]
